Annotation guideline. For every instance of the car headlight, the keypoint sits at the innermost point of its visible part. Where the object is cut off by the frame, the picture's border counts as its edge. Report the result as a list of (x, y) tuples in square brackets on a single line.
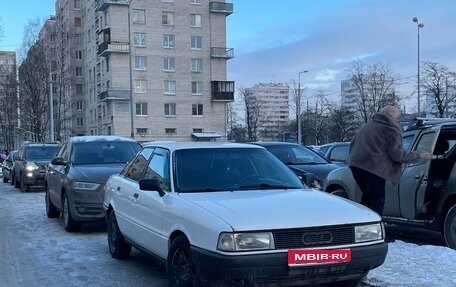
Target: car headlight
[(85, 185), (369, 232), (31, 166), (232, 242)]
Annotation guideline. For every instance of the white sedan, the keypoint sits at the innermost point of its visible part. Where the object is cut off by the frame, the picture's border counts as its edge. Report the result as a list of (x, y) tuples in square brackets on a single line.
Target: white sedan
[(226, 214)]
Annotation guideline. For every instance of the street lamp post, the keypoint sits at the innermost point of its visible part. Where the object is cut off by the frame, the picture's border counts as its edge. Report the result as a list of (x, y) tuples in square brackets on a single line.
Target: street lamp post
[(298, 108), (51, 109), (132, 108), (419, 26)]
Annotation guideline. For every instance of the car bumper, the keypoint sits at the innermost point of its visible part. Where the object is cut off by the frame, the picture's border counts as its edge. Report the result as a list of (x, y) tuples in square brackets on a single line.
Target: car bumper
[(273, 269), (87, 205), (33, 178)]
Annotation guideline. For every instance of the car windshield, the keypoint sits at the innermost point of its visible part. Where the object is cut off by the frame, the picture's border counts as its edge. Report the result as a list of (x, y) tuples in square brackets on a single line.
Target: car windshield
[(228, 169), (296, 154), (40, 152), (96, 152)]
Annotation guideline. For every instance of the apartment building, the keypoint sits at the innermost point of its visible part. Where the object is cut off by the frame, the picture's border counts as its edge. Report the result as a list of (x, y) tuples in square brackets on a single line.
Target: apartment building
[(272, 102), (151, 70)]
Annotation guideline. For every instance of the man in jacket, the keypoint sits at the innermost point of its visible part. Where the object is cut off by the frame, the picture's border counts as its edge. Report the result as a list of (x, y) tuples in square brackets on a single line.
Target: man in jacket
[(376, 154)]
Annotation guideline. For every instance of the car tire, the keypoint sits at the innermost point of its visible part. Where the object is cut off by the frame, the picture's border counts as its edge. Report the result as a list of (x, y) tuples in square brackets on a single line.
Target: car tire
[(449, 228), (24, 187), (17, 184), (180, 268), (118, 248), (69, 224), (51, 210), (340, 192)]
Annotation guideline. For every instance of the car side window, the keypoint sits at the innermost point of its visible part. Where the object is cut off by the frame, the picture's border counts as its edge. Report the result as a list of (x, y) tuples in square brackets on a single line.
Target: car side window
[(407, 141), (339, 153), (135, 169), (159, 168)]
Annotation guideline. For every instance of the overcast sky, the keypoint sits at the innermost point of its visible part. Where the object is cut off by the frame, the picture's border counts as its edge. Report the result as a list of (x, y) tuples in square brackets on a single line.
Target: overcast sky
[(275, 40)]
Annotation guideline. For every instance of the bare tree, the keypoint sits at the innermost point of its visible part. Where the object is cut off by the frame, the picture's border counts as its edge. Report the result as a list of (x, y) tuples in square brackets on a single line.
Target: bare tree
[(1, 30), (316, 119), (342, 125), (253, 116), (34, 96), (31, 33), (296, 93), (374, 88), (8, 102), (440, 84)]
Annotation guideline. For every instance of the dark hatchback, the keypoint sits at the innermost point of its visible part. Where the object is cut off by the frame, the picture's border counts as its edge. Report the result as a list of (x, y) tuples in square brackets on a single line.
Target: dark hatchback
[(302, 160)]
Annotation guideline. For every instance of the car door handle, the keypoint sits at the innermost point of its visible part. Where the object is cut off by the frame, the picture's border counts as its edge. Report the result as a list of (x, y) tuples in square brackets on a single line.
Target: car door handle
[(118, 188), (136, 195)]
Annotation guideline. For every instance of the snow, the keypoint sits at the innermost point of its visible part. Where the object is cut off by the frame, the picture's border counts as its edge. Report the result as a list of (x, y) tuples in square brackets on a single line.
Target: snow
[(412, 265)]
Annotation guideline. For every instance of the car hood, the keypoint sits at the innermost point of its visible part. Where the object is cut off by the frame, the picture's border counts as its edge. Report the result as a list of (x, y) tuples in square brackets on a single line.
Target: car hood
[(278, 209), (96, 173), (320, 171)]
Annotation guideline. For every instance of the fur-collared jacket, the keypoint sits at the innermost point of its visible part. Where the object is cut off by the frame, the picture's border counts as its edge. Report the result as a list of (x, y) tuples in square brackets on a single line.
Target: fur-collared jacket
[(377, 148)]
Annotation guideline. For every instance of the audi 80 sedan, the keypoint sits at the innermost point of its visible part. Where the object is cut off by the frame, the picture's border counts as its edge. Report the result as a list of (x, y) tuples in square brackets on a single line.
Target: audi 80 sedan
[(228, 214)]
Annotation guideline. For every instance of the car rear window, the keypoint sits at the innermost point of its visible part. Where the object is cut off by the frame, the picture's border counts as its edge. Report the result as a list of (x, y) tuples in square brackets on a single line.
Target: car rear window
[(104, 152)]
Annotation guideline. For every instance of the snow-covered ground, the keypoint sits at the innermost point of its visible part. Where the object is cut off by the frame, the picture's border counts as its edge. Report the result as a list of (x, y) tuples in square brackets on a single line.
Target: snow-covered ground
[(412, 265)]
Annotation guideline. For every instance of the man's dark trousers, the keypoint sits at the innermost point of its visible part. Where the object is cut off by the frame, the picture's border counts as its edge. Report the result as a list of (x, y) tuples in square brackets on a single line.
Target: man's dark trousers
[(372, 189)]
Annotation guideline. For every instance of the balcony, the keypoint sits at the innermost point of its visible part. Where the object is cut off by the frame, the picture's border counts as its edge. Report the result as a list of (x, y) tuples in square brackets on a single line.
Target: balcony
[(221, 7), (222, 91), (102, 5), (114, 94), (225, 53), (106, 48)]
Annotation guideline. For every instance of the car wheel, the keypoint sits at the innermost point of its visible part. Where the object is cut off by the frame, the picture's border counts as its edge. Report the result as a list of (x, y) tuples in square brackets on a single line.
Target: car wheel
[(118, 248), (69, 224), (24, 187), (17, 184), (449, 228), (51, 210), (180, 267)]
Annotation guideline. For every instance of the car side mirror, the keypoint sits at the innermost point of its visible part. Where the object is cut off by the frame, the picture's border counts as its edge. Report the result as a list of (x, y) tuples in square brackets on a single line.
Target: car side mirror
[(58, 161), (152, 184), (308, 178)]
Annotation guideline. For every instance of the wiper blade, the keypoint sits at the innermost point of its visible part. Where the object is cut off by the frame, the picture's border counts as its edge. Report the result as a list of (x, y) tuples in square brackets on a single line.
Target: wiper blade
[(268, 186)]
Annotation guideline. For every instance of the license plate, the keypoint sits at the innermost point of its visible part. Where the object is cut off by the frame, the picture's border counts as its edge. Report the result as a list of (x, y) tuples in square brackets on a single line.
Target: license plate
[(298, 257)]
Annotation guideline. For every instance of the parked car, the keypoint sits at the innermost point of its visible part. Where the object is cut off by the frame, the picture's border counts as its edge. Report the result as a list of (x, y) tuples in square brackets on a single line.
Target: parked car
[(8, 167), (301, 160), (76, 177), (31, 163), (234, 214), (337, 152), (426, 194)]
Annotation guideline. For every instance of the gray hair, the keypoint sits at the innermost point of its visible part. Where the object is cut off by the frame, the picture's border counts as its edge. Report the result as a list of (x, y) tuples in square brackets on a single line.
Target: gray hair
[(390, 111)]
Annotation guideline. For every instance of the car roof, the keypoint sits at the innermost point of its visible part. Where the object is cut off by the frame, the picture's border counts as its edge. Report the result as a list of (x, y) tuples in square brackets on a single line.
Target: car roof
[(99, 138), (273, 143), (421, 123), (197, 145)]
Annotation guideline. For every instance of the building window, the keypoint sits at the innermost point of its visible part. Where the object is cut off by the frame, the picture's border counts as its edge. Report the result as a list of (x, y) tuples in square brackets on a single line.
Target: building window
[(170, 130), (195, 20), (79, 106), (198, 2), (54, 77), (142, 131), (197, 42), (169, 64), (169, 87), (140, 63), (78, 55), (77, 4), (197, 110), (197, 88), (168, 18), (77, 38), (107, 64), (170, 109), (80, 121), (141, 86), (197, 130), (168, 41), (140, 39), (78, 88), (78, 71), (53, 65), (77, 21), (197, 65), (141, 109), (139, 16)]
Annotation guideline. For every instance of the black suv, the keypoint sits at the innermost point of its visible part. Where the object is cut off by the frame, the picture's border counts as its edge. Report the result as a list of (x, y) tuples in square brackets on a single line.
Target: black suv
[(31, 163), (426, 194)]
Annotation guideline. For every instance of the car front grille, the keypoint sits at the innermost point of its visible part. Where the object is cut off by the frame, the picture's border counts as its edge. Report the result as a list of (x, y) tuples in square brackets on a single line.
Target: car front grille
[(314, 237)]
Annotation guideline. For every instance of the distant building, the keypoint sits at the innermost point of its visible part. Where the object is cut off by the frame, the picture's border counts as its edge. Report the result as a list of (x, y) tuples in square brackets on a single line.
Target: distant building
[(273, 103), (8, 98), (172, 54)]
